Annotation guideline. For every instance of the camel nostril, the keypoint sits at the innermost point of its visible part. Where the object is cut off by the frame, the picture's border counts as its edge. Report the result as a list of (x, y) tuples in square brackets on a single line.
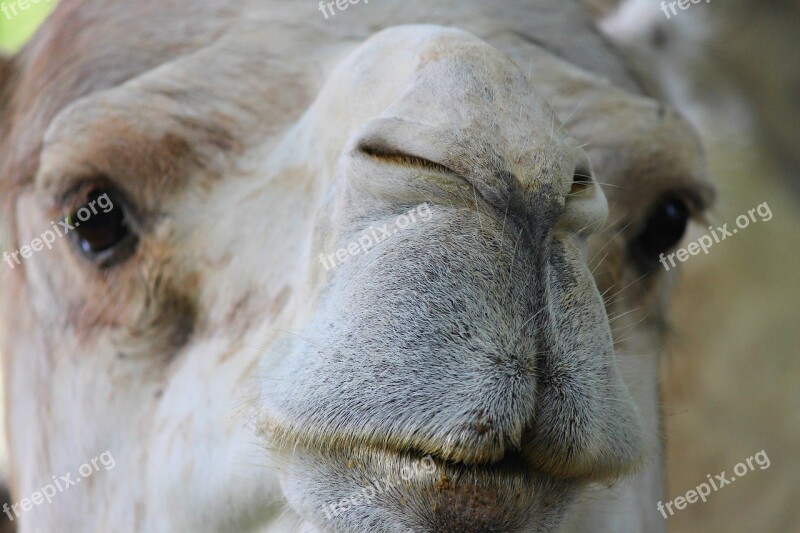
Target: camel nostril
[(586, 208), (581, 181)]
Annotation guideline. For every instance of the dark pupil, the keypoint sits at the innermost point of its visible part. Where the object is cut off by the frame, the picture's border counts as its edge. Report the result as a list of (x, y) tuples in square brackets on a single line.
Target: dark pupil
[(100, 222), (665, 228)]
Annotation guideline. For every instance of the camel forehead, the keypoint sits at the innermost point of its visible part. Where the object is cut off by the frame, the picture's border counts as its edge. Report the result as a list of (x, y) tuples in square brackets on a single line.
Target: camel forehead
[(485, 87), (470, 71)]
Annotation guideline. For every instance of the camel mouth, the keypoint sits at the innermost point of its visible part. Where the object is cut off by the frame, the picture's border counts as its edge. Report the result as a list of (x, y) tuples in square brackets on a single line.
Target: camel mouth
[(344, 490)]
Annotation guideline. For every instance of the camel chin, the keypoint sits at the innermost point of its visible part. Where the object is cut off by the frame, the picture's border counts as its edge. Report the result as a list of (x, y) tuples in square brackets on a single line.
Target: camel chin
[(396, 270)]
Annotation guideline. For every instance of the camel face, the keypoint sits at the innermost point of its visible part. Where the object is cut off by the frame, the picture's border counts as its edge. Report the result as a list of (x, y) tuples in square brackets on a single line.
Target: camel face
[(371, 277)]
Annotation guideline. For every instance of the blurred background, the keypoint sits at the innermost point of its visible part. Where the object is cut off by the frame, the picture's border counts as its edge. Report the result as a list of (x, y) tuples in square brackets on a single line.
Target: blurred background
[(732, 371), (15, 30)]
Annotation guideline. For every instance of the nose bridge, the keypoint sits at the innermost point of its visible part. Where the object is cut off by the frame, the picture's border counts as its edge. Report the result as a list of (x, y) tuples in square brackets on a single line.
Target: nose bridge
[(469, 108), (480, 104)]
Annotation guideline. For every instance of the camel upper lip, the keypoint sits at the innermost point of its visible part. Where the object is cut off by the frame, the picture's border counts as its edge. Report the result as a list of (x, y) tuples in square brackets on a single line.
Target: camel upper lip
[(375, 456), (285, 435)]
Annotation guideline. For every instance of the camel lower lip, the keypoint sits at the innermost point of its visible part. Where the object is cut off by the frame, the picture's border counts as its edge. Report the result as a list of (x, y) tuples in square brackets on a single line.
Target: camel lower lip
[(422, 493)]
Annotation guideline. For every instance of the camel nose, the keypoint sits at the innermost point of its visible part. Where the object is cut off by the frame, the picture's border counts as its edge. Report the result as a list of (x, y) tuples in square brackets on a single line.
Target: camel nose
[(473, 114), (478, 335)]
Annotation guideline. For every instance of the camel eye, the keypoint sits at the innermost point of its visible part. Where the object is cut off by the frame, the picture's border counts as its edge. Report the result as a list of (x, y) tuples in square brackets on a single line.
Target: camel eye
[(664, 229), (100, 227)]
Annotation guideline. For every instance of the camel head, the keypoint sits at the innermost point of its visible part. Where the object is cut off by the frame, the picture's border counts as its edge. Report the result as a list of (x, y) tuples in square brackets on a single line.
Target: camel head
[(378, 272)]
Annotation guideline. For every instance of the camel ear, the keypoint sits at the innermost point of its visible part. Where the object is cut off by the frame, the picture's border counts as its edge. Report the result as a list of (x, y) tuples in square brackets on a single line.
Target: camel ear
[(7, 526), (7, 75)]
